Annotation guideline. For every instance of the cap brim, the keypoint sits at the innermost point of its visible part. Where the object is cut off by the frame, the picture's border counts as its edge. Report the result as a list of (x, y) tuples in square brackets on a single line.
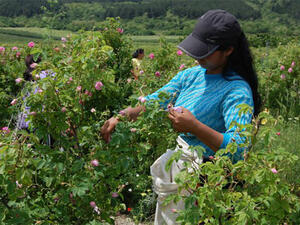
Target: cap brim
[(196, 48)]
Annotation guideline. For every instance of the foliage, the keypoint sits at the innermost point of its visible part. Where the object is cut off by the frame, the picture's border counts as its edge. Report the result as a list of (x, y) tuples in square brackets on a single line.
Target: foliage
[(253, 191), (278, 71), (61, 183)]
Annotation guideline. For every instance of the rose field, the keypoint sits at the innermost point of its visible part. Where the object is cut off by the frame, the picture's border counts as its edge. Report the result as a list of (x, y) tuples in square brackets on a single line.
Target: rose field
[(59, 170)]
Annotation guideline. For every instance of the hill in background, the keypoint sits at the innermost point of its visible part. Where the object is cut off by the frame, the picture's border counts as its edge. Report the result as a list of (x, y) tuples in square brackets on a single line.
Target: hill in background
[(146, 17)]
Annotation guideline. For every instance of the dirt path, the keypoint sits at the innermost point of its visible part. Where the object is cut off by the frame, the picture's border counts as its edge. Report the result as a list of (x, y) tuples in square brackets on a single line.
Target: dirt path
[(125, 220)]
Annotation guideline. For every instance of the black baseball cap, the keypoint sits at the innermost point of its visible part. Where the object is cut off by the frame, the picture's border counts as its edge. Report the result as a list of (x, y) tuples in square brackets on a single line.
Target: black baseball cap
[(214, 29)]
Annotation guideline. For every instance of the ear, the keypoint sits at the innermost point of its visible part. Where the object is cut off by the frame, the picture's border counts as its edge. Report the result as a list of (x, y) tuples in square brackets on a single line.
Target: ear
[(228, 51)]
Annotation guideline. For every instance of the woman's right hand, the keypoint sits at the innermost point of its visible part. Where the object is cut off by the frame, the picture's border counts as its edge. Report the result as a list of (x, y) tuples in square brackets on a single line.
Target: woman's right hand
[(108, 128)]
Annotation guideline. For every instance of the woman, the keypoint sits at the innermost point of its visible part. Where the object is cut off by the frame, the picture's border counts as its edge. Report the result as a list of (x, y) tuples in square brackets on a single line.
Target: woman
[(208, 95), (137, 57)]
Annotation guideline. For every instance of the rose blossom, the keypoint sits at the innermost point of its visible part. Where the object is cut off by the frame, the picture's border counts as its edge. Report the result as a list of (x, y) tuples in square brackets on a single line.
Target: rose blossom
[(274, 170), (33, 65), (78, 88), (120, 30), (293, 64), (95, 162), (142, 99), (31, 44), (179, 52), (19, 80), (6, 130), (181, 66), (98, 85), (122, 113), (14, 101), (151, 55), (177, 109), (133, 130), (93, 204), (2, 49)]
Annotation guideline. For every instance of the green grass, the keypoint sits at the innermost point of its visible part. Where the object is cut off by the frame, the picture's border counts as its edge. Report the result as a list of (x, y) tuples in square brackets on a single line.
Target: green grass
[(11, 36)]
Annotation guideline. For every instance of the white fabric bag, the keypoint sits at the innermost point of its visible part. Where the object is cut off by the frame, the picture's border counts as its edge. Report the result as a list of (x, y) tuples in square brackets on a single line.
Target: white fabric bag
[(164, 184)]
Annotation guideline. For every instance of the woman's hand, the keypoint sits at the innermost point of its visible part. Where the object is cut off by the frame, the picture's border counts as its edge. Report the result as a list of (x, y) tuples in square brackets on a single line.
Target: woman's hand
[(183, 121), (108, 128)]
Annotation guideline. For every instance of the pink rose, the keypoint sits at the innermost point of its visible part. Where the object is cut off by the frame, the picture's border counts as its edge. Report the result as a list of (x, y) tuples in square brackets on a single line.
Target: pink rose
[(63, 109), (114, 194), (157, 74), (122, 113), (181, 66), (142, 99), (5, 130), (31, 44), (93, 204), (19, 80), (120, 30), (151, 55), (2, 49), (98, 85), (14, 101), (32, 113), (179, 52), (282, 67), (133, 130), (33, 65), (290, 70), (274, 170), (177, 109), (15, 48), (95, 162), (293, 64), (282, 76), (78, 88)]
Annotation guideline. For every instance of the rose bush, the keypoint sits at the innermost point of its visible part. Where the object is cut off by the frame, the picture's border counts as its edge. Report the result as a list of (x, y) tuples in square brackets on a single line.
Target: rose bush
[(60, 171)]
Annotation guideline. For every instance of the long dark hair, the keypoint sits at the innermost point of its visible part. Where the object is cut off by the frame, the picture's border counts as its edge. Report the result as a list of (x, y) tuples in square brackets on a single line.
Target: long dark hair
[(137, 52), (241, 62), (28, 61)]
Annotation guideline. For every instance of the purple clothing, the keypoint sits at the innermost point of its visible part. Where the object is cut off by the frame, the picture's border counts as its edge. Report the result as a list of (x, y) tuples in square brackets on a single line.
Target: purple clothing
[(22, 123)]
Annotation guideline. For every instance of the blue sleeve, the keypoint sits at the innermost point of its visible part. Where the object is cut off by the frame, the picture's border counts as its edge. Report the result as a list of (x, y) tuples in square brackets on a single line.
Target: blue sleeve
[(235, 97), (172, 88)]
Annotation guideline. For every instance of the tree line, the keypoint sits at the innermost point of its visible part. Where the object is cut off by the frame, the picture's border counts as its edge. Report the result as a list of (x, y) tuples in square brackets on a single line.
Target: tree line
[(128, 9)]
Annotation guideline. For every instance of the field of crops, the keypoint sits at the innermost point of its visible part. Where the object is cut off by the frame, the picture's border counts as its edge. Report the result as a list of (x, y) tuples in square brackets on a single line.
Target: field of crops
[(60, 171)]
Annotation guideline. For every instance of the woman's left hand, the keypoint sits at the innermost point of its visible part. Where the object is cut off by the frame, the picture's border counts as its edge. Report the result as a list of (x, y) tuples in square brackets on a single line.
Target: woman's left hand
[(183, 122)]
